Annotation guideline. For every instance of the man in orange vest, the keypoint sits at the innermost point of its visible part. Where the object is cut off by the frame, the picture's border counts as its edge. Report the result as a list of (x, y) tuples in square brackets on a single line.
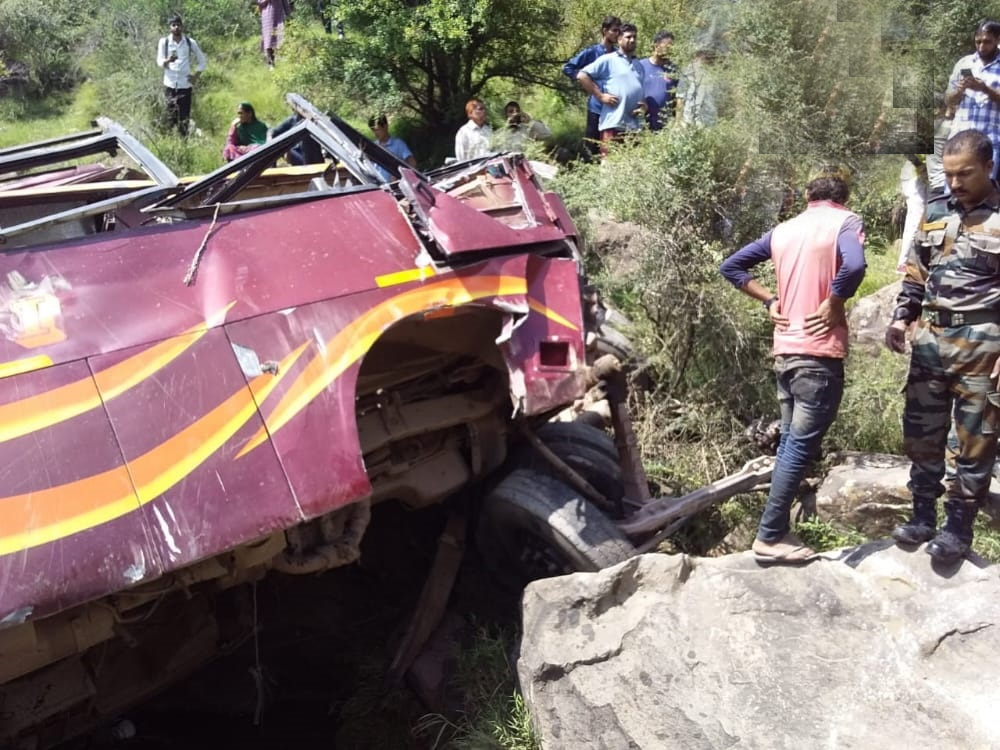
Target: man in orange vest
[(819, 263)]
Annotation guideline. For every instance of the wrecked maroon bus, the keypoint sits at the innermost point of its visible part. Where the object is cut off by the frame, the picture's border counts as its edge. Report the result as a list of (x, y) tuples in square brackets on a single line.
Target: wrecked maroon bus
[(204, 381)]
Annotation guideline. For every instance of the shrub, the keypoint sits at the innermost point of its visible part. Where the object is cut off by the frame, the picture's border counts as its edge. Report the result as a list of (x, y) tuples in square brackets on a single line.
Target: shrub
[(44, 38)]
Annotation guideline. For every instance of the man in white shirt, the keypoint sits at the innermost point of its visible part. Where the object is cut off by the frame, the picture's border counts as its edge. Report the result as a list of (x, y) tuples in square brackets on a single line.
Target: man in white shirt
[(473, 138), (174, 54)]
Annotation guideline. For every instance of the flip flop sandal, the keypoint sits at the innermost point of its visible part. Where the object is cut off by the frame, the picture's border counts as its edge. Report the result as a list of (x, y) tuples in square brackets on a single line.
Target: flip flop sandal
[(795, 556)]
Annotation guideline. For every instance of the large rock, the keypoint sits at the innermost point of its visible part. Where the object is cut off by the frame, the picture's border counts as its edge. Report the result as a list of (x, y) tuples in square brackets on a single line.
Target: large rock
[(868, 648), (866, 492), (870, 315), (619, 244)]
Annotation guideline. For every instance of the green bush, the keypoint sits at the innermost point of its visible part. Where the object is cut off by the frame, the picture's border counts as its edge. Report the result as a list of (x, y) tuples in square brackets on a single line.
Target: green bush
[(48, 38)]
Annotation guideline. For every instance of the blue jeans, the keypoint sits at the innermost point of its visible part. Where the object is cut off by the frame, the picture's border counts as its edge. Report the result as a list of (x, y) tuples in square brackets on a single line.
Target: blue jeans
[(809, 393)]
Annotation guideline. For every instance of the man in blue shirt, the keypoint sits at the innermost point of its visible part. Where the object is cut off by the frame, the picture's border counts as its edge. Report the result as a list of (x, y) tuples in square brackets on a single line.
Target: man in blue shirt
[(610, 28), (659, 81), (616, 80), (395, 146)]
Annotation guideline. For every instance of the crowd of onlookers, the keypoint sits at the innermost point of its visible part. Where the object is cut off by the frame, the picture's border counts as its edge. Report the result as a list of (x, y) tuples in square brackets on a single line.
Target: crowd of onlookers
[(626, 93), (182, 61), (971, 101)]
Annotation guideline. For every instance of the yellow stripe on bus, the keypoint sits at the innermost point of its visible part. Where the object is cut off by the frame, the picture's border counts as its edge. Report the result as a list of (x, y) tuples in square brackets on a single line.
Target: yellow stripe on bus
[(402, 277)]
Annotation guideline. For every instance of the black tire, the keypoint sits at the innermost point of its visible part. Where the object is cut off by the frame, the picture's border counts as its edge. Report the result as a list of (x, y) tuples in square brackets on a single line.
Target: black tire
[(612, 341), (532, 526), (588, 450)]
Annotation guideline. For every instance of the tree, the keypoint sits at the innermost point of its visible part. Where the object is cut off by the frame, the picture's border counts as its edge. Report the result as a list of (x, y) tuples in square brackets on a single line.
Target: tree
[(430, 56)]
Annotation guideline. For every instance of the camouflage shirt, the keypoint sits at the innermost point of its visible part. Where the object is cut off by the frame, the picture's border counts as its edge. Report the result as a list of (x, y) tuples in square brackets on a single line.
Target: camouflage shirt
[(954, 263)]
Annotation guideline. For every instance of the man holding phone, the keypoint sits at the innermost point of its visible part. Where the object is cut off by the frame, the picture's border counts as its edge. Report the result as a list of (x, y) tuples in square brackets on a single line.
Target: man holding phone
[(974, 88), (174, 54)]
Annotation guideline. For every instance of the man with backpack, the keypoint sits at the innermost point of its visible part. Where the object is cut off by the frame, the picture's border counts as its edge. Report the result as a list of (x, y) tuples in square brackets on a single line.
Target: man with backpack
[(174, 54)]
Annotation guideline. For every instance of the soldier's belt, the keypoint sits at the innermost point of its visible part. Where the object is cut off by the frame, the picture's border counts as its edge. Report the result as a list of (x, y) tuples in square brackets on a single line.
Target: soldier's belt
[(946, 318)]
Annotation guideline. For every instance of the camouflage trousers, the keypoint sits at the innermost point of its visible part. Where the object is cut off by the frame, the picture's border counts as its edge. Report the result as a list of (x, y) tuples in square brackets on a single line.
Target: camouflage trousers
[(949, 379)]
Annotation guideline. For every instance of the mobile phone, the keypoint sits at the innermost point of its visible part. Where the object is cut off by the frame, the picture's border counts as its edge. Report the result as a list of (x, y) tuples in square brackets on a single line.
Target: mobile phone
[(965, 73)]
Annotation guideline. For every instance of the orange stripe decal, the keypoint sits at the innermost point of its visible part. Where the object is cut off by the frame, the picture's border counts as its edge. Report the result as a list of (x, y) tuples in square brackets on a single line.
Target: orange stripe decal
[(29, 364), (157, 471), (58, 512), (353, 342), (46, 515), (43, 410)]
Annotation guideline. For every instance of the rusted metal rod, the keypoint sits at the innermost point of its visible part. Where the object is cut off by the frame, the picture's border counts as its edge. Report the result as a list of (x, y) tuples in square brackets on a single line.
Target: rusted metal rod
[(609, 369), (657, 513)]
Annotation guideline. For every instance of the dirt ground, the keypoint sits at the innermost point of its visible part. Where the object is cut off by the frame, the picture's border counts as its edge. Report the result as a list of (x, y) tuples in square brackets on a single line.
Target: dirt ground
[(315, 674)]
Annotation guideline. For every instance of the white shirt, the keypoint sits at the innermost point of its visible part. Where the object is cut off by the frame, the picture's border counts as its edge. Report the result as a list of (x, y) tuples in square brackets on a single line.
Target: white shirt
[(176, 74), (472, 141)]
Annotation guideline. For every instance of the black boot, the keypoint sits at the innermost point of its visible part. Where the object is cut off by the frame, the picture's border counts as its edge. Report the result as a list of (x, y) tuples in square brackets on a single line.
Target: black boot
[(922, 525), (956, 536)]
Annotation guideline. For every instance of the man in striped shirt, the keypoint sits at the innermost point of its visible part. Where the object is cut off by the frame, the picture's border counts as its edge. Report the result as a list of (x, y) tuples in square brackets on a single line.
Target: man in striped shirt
[(974, 89)]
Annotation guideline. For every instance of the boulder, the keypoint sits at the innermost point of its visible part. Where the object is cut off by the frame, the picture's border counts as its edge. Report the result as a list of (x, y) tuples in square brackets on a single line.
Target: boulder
[(869, 317), (865, 647), (866, 492), (619, 244)]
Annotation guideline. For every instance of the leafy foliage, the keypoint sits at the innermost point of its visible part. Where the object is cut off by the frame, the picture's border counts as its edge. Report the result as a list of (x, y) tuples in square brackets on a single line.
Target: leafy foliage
[(44, 38), (430, 57)]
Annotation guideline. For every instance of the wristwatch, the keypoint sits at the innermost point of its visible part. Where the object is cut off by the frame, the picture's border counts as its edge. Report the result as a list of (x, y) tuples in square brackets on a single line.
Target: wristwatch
[(768, 302)]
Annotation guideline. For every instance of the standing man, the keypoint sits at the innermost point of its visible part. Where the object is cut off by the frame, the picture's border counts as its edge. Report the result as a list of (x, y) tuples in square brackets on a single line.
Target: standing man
[(952, 291), (610, 29), (174, 54), (659, 81), (616, 80), (272, 26), (474, 138), (974, 88), (819, 262)]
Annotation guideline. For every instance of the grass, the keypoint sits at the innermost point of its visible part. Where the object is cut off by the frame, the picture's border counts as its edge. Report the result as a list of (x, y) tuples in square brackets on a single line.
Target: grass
[(986, 541), (823, 535), (881, 270), (495, 716), (24, 121)]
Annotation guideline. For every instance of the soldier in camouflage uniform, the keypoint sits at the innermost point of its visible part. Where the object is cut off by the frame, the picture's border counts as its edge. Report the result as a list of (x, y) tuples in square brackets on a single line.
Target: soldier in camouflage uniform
[(952, 291)]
